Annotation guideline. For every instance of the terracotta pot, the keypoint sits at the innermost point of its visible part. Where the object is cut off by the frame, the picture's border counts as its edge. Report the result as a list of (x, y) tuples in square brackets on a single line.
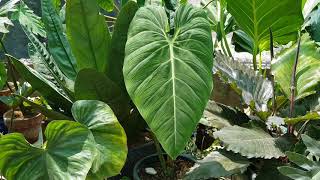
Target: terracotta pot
[(29, 127), (5, 92)]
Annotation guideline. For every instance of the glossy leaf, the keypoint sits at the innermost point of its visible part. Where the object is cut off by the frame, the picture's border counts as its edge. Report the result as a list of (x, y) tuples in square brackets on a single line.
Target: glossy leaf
[(253, 142), (88, 34), (242, 42), (3, 75), (255, 88), (57, 42), (218, 164), (255, 17), (29, 19), (118, 41), (308, 69), (67, 154), (48, 90), (101, 88), (169, 77), (109, 137)]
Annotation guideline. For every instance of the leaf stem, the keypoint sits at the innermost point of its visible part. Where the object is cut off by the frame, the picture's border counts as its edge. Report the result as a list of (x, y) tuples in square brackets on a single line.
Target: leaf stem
[(160, 154), (207, 4), (223, 33), (10, 66), (274, 102), (293, 83), (110, 17), (254, 56)]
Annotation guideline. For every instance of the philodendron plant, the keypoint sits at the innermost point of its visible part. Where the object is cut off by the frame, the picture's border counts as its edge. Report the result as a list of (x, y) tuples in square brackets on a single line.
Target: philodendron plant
[(169, 75), (80, 149)]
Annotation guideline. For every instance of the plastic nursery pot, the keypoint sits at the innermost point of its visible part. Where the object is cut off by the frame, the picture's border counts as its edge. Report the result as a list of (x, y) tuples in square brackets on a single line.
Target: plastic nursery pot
[(28, 126), (5, 92), (151, 160)]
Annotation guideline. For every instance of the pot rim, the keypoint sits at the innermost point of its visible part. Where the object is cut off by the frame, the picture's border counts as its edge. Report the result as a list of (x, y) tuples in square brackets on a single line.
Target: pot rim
[(141, 161), (9, 112)]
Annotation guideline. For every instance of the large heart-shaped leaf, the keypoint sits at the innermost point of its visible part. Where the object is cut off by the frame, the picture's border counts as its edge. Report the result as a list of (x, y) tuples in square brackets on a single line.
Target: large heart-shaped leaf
[(68, 154), (118, 41), (109, 137), (169, 76), (308, 69), (88, 34), (255, 17), (253, 142), (57, 42)]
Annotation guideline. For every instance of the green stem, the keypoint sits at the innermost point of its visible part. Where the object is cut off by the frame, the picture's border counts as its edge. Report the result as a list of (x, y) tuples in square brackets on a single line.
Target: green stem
[(254, 54), (223, 33), (260, 62), (160, 154)]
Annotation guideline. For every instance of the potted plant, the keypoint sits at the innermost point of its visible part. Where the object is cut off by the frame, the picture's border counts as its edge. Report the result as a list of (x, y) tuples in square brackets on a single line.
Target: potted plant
[(167, 73)]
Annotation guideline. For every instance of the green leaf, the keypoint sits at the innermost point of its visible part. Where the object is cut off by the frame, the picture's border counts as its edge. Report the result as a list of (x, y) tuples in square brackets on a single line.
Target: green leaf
[(218, 164), (218, 116), (313, 24), (101, 88), (48, 90), (308, 69), (56, 4), (106, 5), (88, 34), (67, 154), (57, 42), (308, 169), (252, 143), (308, 6), (255, 17), (255, 88), (109, 137), (29, 20), (169, 77), (242, 42), (3, 75), (118, 41), (10, 6)]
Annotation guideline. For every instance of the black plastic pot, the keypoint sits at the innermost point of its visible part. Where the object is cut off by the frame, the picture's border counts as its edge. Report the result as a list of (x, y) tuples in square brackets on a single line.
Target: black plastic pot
[(151, 160)]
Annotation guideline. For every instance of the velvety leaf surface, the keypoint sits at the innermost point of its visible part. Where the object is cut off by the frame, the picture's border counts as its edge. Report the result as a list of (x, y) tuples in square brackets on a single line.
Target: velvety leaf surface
[(57, 42), (218, 164), (88, 34), (255, 88), (251, 143), (109, 137), (118, 41), (308, 68), (255, 17), (68, 154), (169, 76)]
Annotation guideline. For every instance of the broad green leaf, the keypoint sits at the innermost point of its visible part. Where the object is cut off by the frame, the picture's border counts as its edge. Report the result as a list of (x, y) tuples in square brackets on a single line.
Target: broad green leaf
[(308, 69), (88, 34), (255, 17), (269, 170), (218, 116), (218, 164), (67, 154), (4, 22), (48, 90), (307, 168), (3, 75), (29, 19), (169, 77), (242, 42), (58, 45), (118, 41), (101, 88), (255, 88), (106, 5), (313, 24), (109, 137), (253, 142)]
